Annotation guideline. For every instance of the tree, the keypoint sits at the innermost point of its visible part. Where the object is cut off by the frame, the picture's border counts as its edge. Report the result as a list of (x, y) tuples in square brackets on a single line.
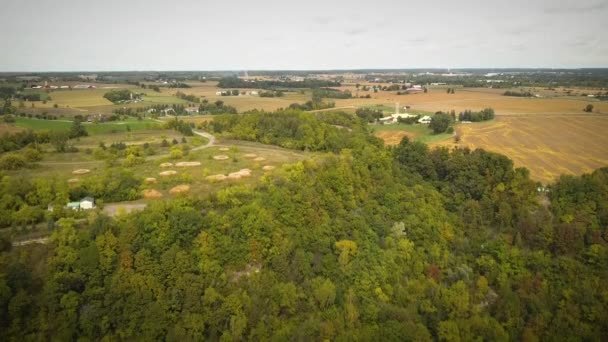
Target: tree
[(440, 122), (588, 108), (77, 130), (59, 139)]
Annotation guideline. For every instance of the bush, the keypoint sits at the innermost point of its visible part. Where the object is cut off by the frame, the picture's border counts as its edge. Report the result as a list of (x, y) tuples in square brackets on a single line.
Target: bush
[(12, 161)]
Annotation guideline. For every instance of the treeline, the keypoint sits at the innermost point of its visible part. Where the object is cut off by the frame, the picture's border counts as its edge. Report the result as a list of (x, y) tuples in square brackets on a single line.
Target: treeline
[(190, 97), (120, 95), (483, 115), (316, 104), (518, 93), (217, 107), (181, 126), (271, 93), (234, 82), (331, 93), (205, 107), (369, 115)]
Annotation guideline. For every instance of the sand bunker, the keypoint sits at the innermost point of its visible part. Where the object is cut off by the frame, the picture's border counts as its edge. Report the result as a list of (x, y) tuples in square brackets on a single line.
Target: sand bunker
[(239, 174), (81, 171), (216, 177), (234, 175), (180, 189), (73, 180), (184, 164), (166, 164), (268, 168), (168, 173), (259, 159), (150, 180), (250, 155), (152, 194), (221, 157), (224, 149)]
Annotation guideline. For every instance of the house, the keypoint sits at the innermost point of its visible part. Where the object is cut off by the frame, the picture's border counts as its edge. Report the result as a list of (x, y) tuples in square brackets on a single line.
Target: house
[(425, 120), (387, 120), (191, 110), (394, 118), (73, 205), (253, 92), (87, 203), (168, 110), (84, 204), (219, 93), (415, 89)]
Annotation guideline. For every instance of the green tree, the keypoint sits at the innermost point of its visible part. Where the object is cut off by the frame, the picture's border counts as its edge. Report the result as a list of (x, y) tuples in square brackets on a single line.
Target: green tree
[(440, 122)]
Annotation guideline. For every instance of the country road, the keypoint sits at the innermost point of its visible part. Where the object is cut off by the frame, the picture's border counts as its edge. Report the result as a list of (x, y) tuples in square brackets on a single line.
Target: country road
[(203, 134), (42, 240)]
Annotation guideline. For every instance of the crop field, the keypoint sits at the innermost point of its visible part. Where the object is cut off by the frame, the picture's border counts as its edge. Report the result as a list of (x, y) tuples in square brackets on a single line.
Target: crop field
[(547, 145), (80, 97)]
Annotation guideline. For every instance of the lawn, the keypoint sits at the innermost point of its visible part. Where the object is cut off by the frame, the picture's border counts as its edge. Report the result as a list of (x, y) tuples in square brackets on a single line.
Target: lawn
[(92, 128), (392, 134)]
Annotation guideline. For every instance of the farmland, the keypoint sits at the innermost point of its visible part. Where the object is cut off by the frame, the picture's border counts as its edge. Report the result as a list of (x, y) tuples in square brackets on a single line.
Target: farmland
[(527, 129), (547, 145)]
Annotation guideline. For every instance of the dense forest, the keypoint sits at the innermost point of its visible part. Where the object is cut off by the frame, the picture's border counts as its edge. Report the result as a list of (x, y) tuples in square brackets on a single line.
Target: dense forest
[(366, 242)]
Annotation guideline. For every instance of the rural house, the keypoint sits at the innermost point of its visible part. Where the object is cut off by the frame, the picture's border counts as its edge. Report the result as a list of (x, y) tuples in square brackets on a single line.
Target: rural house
[(425, 120), (191, 110), (84, 204)]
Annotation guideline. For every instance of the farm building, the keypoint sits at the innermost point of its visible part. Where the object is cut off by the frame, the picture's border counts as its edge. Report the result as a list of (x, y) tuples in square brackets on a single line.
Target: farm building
[(415, 89), (191, 110), (87, 203), (394, 118), (425, 120), (84, 204)]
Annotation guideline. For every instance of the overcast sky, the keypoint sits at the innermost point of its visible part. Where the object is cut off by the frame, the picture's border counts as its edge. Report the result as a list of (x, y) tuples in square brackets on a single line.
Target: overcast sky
[(77, 35)]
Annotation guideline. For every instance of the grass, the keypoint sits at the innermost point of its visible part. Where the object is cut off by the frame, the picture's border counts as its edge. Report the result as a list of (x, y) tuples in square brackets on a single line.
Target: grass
[(418, 132), (92, 128), (39, 124)]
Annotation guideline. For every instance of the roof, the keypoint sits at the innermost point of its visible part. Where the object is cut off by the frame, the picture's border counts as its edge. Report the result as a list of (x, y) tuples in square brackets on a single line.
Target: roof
[(88, 198), (74, 204)]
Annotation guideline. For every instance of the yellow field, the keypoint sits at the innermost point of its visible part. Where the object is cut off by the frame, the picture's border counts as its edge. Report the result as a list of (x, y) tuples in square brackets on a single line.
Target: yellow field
[(548, 145)]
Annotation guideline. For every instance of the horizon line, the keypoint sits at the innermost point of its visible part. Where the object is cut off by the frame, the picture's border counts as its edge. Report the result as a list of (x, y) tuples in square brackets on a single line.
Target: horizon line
[(300, 70)]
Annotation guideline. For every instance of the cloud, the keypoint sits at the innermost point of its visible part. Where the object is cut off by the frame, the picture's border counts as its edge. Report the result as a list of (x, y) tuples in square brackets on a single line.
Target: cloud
[(322, 20), (356, 31), (417, 40), (572, 8)]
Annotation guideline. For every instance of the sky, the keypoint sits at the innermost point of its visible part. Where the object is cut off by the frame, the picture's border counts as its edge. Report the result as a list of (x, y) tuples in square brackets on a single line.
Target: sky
[(107, 35)]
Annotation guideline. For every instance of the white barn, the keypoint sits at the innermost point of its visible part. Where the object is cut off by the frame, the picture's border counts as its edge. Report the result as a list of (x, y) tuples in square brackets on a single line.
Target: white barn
[(87, 203)]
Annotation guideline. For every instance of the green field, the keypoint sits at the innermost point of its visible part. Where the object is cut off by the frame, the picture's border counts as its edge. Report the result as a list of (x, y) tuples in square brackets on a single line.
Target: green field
[(92, 128)]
